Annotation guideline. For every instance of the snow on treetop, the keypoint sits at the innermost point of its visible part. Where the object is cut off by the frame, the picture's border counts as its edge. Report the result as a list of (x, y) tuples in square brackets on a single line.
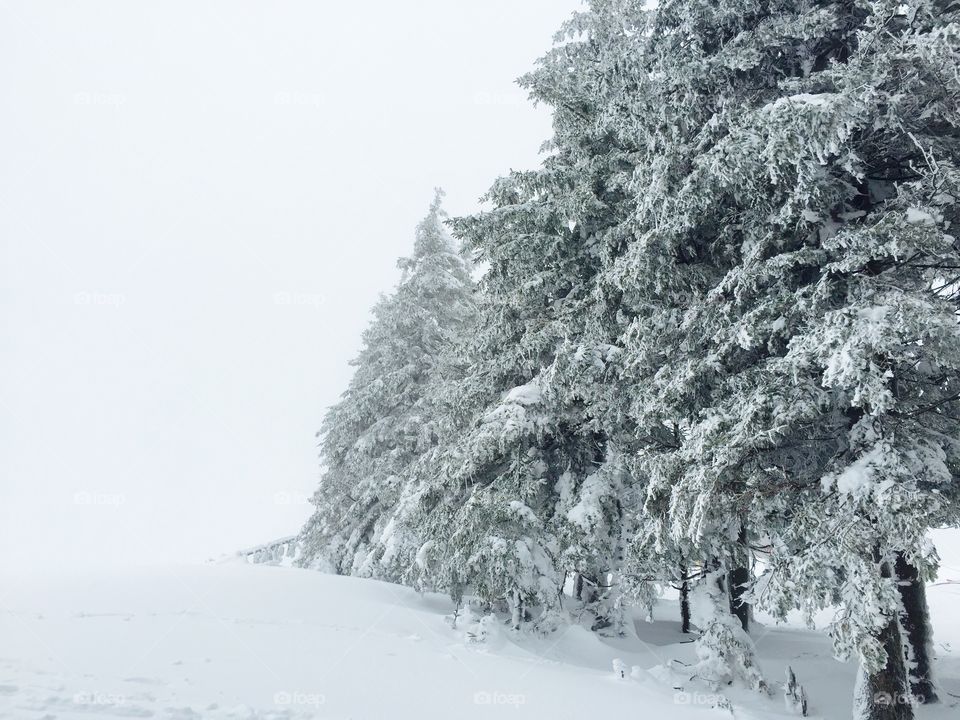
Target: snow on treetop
[(523, 512), (916, 216), (529, 394), (810, 99), (857, 478)]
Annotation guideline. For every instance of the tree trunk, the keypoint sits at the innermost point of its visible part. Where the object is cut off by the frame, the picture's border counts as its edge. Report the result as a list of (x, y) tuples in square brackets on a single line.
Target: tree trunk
[(738, 579), (684, 598), (516, 610), (885, 694), (715, 566), (915, 621), (578, 586)]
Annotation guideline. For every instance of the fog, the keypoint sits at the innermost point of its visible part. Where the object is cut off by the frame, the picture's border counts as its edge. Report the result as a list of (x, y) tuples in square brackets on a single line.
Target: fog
[(199, 203)]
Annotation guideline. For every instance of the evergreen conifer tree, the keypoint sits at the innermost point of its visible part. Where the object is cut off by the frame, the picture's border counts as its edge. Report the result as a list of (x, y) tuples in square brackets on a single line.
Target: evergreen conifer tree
[(386, 421)]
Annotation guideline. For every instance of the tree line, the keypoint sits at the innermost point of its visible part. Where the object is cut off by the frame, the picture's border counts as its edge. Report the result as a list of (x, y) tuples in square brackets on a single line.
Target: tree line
[(710, 342)]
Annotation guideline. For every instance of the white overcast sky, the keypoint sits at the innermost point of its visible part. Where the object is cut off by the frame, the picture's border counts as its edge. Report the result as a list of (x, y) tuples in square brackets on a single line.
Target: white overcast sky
[(199, 203)]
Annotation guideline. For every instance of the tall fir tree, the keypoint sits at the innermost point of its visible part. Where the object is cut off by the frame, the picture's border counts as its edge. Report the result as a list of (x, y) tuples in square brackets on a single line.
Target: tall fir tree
[(528, 490), (386, 421)]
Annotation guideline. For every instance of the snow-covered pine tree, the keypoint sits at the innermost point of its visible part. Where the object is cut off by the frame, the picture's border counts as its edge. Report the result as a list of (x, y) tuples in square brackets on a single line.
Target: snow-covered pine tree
[(791, 289), (498, 478), (528, 490), (374, 436), (632, 365), (522, 494)]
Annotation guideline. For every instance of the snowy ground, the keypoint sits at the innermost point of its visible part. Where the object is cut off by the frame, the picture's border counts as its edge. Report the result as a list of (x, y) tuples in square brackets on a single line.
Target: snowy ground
[(247, 641)]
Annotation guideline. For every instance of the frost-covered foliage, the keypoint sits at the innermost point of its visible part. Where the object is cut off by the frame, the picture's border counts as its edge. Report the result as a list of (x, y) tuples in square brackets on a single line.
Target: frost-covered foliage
[(387, 420), (724, 651), (786, 299)]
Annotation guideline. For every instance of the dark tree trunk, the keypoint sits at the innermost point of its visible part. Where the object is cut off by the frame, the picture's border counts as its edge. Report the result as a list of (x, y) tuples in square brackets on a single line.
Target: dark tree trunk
[(516, 610), (684, 598), (915, 620), (578, 586), (885, 694), (738, 579), (714, 566)]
